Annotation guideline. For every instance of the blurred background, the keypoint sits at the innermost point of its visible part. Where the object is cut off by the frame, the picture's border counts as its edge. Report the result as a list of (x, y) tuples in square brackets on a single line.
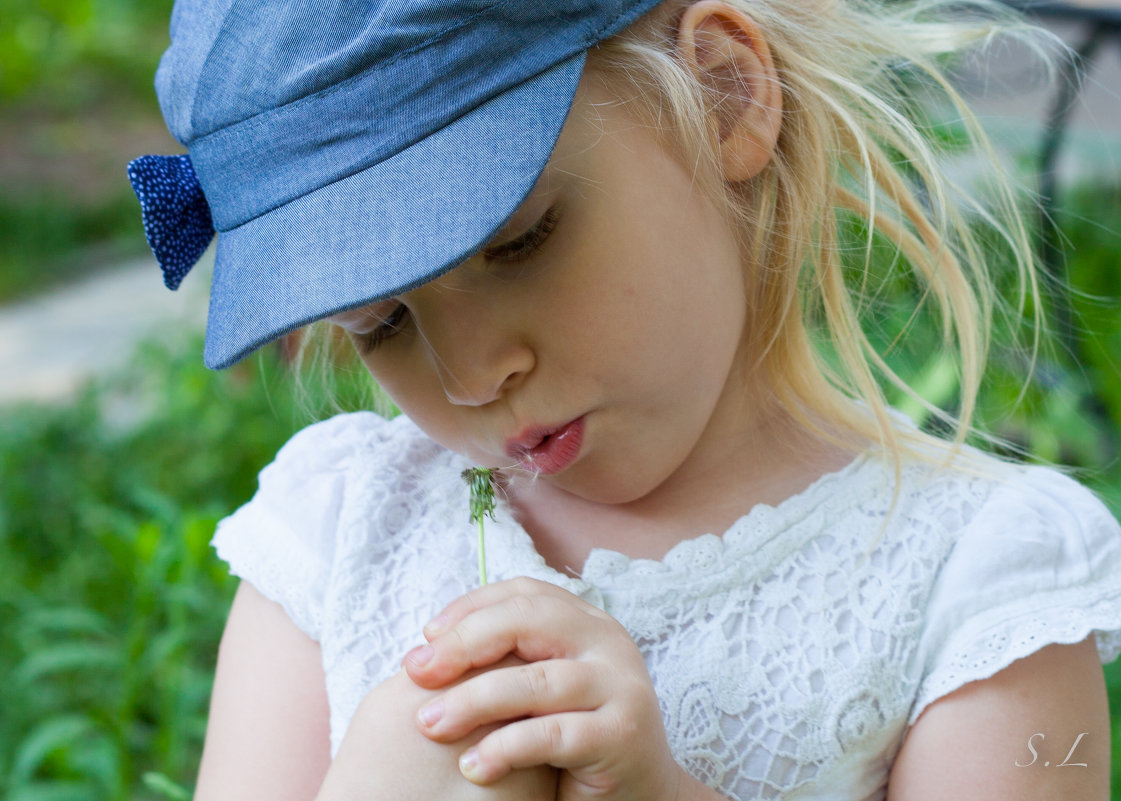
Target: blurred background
[(119, 451)]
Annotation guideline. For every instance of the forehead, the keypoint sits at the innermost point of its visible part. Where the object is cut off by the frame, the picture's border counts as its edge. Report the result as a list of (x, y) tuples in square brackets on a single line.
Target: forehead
[(600, 126)]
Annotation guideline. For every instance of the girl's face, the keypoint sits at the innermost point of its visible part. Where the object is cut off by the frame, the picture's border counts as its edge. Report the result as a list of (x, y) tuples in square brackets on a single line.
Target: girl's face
[(599, 338)]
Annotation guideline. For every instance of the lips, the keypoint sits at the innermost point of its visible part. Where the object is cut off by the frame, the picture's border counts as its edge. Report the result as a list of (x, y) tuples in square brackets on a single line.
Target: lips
[(548, 449)]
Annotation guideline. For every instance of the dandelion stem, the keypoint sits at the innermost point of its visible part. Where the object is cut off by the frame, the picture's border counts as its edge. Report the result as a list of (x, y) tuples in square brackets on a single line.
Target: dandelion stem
[(482, 555), (481, 482)]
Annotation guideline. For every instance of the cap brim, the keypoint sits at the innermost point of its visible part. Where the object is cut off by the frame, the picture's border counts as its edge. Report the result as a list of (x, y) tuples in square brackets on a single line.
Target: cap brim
[(389, 228)]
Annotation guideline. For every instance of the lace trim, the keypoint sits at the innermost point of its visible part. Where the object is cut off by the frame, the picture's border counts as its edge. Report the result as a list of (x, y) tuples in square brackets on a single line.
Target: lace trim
[(765, 533), (1002, 636), (240, 541)]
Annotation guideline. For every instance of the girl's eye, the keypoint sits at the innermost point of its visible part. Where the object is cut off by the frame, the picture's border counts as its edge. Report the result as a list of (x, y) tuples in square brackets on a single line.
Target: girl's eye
[(528, 243), (514, 251), (391, 325)]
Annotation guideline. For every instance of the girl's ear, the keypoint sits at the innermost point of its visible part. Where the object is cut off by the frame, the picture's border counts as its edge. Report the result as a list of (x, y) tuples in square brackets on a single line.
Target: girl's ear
[(727, 52)]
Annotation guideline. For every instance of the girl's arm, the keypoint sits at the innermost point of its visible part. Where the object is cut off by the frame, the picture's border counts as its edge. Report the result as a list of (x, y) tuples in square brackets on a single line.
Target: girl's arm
[(385, 758), (268, 731), (1036, 731), (268, 734)]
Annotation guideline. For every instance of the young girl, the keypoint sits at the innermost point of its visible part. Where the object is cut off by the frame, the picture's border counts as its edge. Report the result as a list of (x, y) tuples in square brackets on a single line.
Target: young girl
[(597, 244)]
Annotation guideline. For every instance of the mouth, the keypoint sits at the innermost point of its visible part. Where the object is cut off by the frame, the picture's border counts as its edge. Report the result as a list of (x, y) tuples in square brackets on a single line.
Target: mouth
[(547, 449)]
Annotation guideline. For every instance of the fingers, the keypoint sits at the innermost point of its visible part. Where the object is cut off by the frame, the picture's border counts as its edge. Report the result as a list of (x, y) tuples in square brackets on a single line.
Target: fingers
[(580, 699), (562, 741), (546, 623), (600, 752), (538, 688), (485, 596)]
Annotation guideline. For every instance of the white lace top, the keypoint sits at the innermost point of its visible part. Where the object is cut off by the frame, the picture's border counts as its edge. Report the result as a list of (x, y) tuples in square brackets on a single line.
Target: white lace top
[(789, 654)]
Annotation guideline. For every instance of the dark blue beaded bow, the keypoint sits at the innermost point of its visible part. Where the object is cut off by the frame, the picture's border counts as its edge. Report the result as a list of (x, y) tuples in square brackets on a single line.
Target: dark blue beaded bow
[(177, 218)]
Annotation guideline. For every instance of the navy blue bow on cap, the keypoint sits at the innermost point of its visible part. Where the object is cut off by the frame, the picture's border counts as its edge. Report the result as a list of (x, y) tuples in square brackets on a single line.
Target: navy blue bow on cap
[(177, 218)]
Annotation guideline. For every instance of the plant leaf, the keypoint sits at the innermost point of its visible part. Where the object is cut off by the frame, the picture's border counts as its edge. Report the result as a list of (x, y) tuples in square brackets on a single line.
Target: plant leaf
[(46, 738), (67, 656), (161, 784)]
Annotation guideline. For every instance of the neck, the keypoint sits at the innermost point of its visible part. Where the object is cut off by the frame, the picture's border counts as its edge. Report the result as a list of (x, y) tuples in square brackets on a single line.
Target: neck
[(716, 486)]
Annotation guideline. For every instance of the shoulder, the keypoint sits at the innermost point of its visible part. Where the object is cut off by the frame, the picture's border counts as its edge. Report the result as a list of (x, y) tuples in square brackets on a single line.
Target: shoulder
[(980, 505), (1014, 516), (1024, 528), (346, 467), (355, 447), (337, 473), (1034, 495), (1038, 729), (1024, 603), (964, 484), (1034, 560), (313, 469)]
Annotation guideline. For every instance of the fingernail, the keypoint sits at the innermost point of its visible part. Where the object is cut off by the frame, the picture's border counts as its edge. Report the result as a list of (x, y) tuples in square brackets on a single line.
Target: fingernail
[(469, 762), (429, 714), (438, 623), (421, 655)]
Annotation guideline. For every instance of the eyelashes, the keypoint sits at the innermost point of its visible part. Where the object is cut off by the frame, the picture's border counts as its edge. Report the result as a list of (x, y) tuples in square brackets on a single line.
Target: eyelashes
[(390, 326), (528, 243), (517, 250)]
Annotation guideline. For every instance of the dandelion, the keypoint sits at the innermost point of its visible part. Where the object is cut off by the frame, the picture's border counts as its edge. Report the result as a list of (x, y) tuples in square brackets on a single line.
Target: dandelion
[(481, 482)]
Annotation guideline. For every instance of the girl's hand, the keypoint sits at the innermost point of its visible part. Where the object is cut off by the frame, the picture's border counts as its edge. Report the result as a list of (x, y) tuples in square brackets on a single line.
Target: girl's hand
[(584, 701), (383, 757)]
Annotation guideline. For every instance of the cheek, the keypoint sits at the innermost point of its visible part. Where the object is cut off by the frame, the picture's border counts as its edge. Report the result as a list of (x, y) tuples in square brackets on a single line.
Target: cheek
[(417, 392), (676, 298), (412, 389)]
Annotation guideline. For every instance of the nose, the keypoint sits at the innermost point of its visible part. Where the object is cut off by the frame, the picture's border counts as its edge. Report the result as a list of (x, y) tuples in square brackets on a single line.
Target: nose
[(478, 352)]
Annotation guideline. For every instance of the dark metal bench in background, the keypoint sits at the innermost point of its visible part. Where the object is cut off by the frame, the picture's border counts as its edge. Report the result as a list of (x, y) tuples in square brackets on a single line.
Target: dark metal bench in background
[(1100, 24)]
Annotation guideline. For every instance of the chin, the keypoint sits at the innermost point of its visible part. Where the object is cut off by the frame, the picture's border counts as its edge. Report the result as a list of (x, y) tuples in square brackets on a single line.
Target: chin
[(609, 490)]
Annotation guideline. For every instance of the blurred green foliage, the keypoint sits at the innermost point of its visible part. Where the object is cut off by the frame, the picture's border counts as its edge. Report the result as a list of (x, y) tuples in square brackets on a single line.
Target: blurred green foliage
[(44, 239), (111, 601), (76, 93), (1061, 405), (71, 53)]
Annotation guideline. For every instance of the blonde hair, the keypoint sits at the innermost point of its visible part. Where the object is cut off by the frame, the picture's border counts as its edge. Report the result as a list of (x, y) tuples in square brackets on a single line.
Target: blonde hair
[(852, 145)]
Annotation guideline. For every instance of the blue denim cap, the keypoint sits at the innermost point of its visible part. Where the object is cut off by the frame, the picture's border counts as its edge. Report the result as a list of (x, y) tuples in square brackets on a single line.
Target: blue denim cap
[(350, 151)]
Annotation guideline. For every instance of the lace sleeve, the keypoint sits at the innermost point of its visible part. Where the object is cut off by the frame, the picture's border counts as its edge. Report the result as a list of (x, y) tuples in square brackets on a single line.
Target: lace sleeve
[(1039, 564), (283, 540)]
